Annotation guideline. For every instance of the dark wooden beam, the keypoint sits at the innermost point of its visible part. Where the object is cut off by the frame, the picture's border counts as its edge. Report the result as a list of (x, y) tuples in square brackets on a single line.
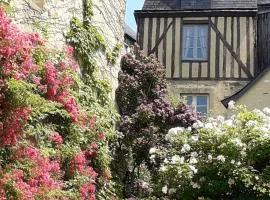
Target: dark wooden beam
[(217, 49), (173, 48), (248, 43), (200, 70), (150, 32), (157, 35), (224, 48), (232, 43), (190, 70), (164, 38), (209, 50), (181, 47), (209, 79), (141, 32), (195, 13), (238, 45)]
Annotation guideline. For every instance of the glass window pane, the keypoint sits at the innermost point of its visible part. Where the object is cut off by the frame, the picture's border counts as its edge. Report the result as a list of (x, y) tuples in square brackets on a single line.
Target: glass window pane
[(202, 101), (190, 53), (202, 109), (191, 42), (195, 42), (189, 100), (199, 53)]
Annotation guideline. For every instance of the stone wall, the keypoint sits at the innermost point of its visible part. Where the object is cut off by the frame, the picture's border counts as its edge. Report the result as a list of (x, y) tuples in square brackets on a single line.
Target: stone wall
[(217, 91), (53, 18)]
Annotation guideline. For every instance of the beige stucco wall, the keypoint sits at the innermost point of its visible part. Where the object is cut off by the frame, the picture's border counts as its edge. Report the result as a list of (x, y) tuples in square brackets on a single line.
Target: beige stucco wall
[(258, 96), (55, 15), (217, 91)]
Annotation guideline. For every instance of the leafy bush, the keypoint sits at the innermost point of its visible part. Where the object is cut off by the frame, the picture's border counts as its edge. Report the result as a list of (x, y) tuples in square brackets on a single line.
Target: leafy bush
[(146, 115), (54, 128), (221, 159)]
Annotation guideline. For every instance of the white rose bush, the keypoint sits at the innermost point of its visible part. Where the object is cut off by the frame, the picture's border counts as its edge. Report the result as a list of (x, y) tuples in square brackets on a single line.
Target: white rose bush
[(216, 159)]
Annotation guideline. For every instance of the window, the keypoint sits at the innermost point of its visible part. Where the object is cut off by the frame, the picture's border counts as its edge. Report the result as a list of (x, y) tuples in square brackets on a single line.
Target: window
[(199, 103), (195, 42)]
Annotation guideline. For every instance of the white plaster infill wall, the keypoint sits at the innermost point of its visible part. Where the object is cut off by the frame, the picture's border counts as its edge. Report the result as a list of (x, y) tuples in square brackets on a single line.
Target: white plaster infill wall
[(54, 17)]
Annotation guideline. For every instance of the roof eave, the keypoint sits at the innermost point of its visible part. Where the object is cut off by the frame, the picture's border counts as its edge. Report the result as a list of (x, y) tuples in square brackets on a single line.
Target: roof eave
[(196, 12)]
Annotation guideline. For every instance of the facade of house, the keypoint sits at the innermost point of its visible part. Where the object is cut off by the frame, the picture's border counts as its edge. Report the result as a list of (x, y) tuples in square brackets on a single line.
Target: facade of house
[(211, 49)]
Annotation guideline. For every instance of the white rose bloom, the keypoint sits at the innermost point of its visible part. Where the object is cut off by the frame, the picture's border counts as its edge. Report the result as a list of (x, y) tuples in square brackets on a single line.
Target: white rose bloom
[(229, 122), (231, 105), (193, 169), (198, 125), (259, 113), (189, 129), (211, 119), (266, 111), (193, 160), (194, 154), (163, 168), (210, 157), (251, 123), (194, 138), (238, 142), (152, 157), (153, 150), (233, 162), (165, 189), (231, 182), (186, 148), (175, 131), (202, 179), (209, 126), (172, 191), (166, 161), (243, 154), (176, 159), (172, 134), (221, 118), (195, 185), (221, 158), (265, 135)]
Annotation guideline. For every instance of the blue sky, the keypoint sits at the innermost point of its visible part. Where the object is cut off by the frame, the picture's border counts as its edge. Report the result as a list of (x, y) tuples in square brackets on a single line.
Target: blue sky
[(131, 6)]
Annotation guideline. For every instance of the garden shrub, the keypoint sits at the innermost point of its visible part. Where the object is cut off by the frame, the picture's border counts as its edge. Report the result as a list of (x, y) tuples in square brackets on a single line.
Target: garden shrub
[(54, 125), (222, 159), (146, 116)]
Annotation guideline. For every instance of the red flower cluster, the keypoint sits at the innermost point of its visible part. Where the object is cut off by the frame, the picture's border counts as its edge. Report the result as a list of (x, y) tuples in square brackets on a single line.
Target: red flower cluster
[(58, 82), (15, 49), (80, 165), (45, 175), (56, 138), (11, 126)]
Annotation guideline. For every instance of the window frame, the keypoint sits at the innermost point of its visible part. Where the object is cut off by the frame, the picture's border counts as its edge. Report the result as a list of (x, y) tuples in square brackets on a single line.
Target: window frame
[(198, 23), (194, 100)]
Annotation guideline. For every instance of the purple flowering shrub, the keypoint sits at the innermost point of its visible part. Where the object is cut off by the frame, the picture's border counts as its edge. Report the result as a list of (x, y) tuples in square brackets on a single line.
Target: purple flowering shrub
[(146, 116)]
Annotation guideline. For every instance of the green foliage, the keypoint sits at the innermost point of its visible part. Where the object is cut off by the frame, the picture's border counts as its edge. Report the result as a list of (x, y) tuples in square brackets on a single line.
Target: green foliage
[(112, 56)]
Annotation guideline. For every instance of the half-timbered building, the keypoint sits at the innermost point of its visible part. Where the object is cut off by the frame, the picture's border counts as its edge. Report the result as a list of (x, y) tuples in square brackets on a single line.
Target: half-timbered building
[(211, 48)]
